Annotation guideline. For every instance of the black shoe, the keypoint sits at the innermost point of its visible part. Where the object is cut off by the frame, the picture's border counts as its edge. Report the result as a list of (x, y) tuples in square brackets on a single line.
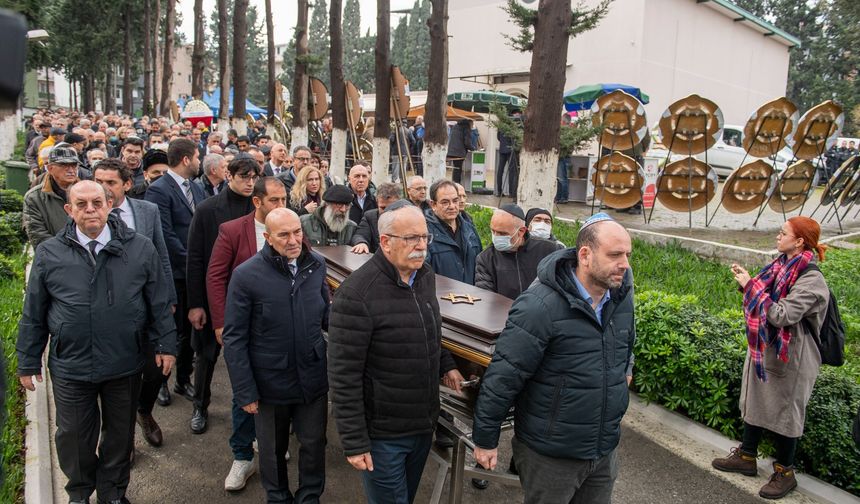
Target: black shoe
[(443, 439), (480, 484), (164, 398), (199, 420), (185, 389)]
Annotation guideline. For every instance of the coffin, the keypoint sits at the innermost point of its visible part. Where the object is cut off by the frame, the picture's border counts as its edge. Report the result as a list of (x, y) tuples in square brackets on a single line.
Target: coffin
[(468, 331)]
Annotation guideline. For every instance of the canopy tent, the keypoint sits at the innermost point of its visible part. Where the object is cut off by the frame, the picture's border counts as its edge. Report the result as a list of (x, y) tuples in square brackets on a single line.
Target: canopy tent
[(582, 98), (214, 101), (452, 114), (479, 101)]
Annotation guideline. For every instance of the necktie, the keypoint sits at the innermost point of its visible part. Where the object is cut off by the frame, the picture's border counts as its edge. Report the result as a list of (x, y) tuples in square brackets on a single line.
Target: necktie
[(117, 211), (92, 246), (276, 169), (293, 269), (190, 197)]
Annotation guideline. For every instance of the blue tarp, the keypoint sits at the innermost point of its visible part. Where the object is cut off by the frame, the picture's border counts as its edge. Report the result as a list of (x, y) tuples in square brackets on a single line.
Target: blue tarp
[(214, 99)]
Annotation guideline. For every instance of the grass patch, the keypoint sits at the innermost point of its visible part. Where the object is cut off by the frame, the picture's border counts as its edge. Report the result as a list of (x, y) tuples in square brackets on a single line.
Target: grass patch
[(12, 451)]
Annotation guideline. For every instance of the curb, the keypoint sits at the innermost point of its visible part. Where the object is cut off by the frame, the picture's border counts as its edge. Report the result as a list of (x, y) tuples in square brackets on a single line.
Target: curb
[(38, 461), (648, 419)]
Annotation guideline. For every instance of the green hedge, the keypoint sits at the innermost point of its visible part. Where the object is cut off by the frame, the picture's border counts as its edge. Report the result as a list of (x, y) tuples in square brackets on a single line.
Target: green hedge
[(691, 346), (14, 421)]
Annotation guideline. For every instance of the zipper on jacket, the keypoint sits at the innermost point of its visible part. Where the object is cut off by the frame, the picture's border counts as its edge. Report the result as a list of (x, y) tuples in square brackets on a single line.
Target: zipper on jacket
[(553, 412), (426, 345), (603, 401)]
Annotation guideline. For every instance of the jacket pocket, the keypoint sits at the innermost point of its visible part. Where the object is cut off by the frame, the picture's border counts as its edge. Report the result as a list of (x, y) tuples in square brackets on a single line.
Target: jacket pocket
[(57, 342), (555, 407), (264, 360)]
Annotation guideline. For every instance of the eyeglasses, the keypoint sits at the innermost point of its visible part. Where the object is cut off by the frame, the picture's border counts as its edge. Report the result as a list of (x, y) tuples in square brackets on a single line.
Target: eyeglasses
[(302, 158), (446, 203), (248, 176), (413, 240)]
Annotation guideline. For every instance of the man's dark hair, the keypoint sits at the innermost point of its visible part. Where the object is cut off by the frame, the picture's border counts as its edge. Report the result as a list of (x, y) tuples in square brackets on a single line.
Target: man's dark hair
[(178, 149), (261, 186), (434, 188), (114, 164), (587, 237), (232, 132), (388, 191), (261, 137), (244, 164), (243, 138), (133, 140)]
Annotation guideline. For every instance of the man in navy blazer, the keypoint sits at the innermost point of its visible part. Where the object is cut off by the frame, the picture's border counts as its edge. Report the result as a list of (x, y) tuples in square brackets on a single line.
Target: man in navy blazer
[(176, 198), (144, 218)]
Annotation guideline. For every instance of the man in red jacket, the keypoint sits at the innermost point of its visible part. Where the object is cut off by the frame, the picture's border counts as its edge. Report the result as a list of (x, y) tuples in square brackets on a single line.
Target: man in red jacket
[(239, 240)]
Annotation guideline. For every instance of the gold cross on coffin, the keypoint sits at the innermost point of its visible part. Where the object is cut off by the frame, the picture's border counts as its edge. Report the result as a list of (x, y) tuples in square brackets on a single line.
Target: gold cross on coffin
[(460, 298)]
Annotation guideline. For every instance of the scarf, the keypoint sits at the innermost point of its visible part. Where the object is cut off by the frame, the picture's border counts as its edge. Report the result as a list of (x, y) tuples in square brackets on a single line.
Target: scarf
[(771, 284)]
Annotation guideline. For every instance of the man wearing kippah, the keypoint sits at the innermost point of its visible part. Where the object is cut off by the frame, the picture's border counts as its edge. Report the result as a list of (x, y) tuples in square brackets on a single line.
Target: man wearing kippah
[(564, 360)]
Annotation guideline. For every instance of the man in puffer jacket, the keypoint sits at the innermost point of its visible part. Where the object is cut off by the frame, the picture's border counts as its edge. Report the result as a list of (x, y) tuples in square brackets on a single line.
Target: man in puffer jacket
[(563, 360)]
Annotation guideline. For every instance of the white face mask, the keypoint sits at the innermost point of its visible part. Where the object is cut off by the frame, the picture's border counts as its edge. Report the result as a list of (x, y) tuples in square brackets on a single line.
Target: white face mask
[(541, 230)]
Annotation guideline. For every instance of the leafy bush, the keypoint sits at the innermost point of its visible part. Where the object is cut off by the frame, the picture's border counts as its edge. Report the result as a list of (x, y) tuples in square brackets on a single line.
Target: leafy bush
[(11, 201), (16, 222), (13, 420), (689, 360), (9, 243)]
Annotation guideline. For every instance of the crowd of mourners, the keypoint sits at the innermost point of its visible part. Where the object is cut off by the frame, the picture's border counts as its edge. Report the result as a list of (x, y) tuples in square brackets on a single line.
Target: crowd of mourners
[(159, 245)]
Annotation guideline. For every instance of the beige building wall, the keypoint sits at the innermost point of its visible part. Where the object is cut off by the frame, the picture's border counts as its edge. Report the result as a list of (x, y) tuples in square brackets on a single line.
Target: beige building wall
[(181, 72), (669, 48)]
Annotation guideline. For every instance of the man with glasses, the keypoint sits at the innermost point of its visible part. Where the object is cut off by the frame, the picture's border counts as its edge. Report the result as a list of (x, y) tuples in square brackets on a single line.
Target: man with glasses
[(329, 224), (233, 202), (44, 215), (385, 324), (301, 158), (456, 245), (417, 192)]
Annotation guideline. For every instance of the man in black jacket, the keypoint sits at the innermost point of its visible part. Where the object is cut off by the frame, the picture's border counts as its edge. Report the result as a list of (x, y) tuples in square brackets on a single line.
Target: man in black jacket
[(359, 178), (509, 265), (277, 308), (96, 289), (366, 237), (232, 203), (386, 358), (564, 359)]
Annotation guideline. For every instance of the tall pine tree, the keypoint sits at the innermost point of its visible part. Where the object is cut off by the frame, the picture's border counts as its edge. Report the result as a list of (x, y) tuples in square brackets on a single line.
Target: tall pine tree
[(318, 43)]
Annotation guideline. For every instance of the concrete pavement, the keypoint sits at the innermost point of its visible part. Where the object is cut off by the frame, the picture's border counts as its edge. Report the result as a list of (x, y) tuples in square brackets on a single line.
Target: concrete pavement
[(191, 469)]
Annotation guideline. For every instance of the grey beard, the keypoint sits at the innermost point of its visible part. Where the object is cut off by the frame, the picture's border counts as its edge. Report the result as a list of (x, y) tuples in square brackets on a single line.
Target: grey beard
[(335, 222)]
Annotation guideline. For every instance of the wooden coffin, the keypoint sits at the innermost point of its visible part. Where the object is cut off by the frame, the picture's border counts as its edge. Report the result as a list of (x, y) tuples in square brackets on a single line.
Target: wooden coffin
[(468, 330)]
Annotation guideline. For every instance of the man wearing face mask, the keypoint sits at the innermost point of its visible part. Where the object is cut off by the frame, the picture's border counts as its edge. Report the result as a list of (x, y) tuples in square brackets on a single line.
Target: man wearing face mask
[(509, 265), (539, 222)]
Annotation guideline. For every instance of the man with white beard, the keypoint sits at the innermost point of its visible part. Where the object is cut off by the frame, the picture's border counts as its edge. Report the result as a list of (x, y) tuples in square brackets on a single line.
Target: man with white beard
[(329, 224)]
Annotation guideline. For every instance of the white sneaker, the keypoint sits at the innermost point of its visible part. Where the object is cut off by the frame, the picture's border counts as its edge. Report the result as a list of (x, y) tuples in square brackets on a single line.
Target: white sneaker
[(239, 474)]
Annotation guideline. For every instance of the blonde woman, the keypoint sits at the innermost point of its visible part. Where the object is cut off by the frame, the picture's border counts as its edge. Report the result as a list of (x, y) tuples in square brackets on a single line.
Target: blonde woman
[(306, 194)]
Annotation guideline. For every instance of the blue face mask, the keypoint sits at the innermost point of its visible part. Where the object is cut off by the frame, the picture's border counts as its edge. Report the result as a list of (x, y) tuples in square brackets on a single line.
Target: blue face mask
[(502, 243)]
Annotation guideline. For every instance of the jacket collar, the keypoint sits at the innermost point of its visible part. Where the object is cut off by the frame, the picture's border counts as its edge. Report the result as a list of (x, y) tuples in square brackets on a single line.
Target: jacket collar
[(120, 234), (281, 263), (391, 272)]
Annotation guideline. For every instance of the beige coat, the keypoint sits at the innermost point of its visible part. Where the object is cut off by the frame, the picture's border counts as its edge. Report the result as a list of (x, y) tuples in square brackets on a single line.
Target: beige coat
[(779, 405)]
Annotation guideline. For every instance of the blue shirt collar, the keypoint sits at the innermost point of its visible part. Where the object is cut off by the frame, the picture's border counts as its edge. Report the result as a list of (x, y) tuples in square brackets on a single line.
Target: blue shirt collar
[(412, 277), (587, 297)]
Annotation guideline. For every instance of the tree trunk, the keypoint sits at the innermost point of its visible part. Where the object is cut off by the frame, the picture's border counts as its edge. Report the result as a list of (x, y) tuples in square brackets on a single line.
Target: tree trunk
[(110, 97), (382, 124), (539, 157), (127, 98), (87, 96), (436, 132), (223, 68), (156, 57), (199, 54), (300, 79), (337, 167), (270, 36), (167, 73), (240, 81), (147, 58)]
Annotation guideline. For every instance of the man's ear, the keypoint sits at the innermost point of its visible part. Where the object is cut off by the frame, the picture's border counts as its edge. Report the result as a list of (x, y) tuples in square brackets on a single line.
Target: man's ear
[(68, 208)]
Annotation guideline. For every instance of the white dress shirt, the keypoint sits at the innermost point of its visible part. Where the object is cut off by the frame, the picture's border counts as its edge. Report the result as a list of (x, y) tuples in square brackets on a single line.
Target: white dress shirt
[(126, 213), (103, 238)]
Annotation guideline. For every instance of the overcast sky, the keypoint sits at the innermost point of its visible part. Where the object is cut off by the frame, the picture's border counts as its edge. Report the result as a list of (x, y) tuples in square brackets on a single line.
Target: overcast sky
[(284, 15)]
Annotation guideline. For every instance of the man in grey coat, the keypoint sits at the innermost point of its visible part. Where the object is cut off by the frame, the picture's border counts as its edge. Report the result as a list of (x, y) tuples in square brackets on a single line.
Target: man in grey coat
[(96, 347)]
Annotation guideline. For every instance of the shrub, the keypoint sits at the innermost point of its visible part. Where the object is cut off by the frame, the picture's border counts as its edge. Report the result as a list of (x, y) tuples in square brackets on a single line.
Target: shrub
[(11, 201), (9, 243), (9, 269), (688, 359), (16, 222), (13, 421)]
